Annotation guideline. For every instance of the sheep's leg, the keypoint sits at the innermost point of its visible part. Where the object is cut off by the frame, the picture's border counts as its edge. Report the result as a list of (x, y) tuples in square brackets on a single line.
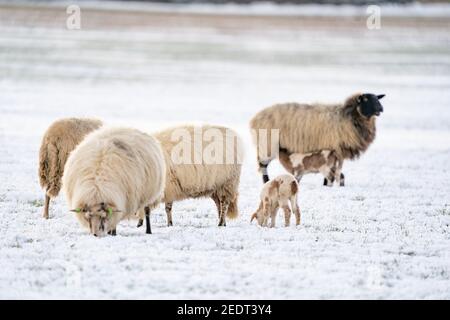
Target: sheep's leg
[(263, 169), (141, 218), (46, 206), (287, 213), (342, 180), (217, 202), (147, 221), (168, 208), (296, 209), (223, 212)]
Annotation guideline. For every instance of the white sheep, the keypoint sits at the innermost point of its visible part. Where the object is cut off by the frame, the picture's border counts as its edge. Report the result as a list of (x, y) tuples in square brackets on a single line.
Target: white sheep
[(58, 142), (202, 161), (112, 174), (275, 194)]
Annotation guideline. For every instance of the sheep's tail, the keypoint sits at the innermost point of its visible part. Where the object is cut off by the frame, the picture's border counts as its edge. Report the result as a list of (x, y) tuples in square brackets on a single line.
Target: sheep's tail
[(233, 211)]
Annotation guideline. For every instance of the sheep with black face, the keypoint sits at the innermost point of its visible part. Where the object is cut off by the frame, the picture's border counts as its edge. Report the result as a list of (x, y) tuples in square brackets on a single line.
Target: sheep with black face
[(347, 128)]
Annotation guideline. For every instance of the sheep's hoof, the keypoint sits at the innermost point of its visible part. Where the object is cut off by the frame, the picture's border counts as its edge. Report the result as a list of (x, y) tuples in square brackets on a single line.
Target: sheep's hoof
[(112, 232), (140, 223), (222, 224), (170, 224), (342, 178), (325, 182)]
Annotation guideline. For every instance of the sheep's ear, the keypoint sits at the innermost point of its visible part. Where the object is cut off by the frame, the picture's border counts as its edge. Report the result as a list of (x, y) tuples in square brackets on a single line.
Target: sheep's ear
[(380, 96), (77, 210)]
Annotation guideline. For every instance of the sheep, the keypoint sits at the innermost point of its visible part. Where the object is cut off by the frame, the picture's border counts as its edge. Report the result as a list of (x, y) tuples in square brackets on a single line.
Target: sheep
[(195, 175), (347, 128), (275, 194), (58, 142), (112, 174), (325, 162)]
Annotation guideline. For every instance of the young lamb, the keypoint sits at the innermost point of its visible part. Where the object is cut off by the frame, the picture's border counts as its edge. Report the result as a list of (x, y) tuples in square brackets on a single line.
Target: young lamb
[(58, 142), (347, 128), (275, 194), (326, 162), (196, 176), (112, 174)]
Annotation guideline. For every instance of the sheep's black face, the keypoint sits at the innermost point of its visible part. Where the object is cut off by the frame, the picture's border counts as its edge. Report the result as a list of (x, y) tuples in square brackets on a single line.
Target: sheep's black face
[(370, 105)]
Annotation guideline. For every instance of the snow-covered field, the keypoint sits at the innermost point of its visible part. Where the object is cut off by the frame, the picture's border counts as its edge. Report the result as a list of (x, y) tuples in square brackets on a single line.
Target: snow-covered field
[(385, 235)]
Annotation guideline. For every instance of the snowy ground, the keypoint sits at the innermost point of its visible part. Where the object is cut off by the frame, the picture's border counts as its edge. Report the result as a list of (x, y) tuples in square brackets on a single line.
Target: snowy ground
[(385, 235)]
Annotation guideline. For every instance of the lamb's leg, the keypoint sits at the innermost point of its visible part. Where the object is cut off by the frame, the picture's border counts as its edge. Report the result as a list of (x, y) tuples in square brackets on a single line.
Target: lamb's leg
[(328, 173), (168, 208), (273, 217), (223, 212), (46, 206), (296, 209), (287, 213), (147, 221)]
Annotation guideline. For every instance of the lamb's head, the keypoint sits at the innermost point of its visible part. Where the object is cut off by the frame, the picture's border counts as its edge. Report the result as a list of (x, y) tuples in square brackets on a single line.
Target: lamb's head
[(100, 218), (369, 104)]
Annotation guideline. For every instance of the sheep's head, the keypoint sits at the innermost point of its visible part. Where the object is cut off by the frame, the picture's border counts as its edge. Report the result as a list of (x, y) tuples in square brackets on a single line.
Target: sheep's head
[(100, 218), (369, 104)]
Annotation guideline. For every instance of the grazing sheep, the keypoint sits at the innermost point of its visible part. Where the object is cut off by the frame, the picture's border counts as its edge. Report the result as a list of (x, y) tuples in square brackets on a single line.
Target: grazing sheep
[(347, 129), (196, 175), (112, 174), (275, 194), (325, 162), (58, 142)]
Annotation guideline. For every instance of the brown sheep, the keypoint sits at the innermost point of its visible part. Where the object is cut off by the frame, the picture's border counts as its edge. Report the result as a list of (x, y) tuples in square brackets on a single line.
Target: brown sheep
[(326, 162), (348, 128), (59, 141)]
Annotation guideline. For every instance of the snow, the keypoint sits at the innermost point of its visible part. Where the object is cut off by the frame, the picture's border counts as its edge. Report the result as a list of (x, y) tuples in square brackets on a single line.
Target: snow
[(385, 235)]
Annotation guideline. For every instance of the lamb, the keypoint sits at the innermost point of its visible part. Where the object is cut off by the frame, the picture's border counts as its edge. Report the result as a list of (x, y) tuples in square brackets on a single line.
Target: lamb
[(275, 194), (325, 162), (58, 142), (348, 128), (194, 175), (111, 175)]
